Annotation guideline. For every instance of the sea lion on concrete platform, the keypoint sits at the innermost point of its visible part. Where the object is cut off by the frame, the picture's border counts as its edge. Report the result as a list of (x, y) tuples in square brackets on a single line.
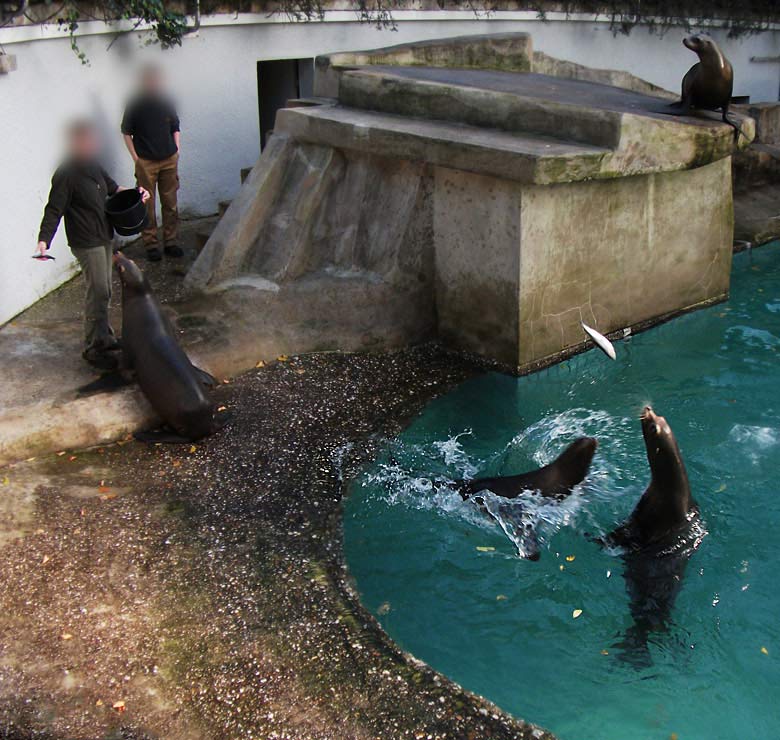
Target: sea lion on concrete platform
[(555, 480), (658, 538), (708, 84), (151, 352)]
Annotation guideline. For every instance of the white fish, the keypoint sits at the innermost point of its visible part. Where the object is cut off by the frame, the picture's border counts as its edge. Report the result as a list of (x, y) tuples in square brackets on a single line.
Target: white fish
[(601, 341)]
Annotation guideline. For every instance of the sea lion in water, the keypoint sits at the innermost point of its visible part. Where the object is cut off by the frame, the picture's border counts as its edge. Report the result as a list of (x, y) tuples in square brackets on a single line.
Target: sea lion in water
[(658, 539), (152, 355), (555, 481), (708, 84)]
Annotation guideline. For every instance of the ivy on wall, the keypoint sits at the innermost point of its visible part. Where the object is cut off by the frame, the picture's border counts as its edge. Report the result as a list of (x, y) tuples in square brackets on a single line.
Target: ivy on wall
[(167, 25)]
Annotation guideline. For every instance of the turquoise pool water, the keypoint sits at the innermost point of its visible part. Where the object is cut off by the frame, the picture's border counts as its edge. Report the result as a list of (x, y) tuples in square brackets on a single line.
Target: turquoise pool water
[(447, 585)]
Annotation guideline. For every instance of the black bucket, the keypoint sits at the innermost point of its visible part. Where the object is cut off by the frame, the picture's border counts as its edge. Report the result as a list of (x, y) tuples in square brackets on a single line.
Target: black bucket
[(126, 212)]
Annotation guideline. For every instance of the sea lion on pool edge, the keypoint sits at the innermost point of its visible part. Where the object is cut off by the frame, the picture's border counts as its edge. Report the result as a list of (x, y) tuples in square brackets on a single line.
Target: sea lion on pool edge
[(555, 480), (708, 84), (150, 350), (659, 537)]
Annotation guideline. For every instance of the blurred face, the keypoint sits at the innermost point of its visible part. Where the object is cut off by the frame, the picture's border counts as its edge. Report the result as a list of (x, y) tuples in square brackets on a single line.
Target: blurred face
[(83, 143), (151, 80)]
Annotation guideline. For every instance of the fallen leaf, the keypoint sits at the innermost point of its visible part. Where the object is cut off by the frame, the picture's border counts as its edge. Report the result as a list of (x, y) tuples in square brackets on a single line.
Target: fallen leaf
[(60, 453), (260, 363), (108, 497), (576, 613), (29, 459), (605, 652), (119, 706), (222, 408), (226, 381), (482, 548), (300, 371), (383, 608), (570, 558), (501, 597), (99, 703), (193, 448), (6, 481), (45, 560), (176, 463), (283, 358), (66, 636), (720, 488), (103, 489), (560, 567), (72, 458), (764, 651)]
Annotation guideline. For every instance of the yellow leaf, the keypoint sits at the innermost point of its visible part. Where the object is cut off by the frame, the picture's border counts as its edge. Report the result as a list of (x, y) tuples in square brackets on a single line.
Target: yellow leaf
[(576, 613), (45, 560), (66, 636), (570, 558), (193, 448), (720, 488), (119, 706), (60, 453), (300, 371), (560, 567), (99, 703), (605, 652), (283, 358), (764, 651), (485, 549), (501, 597), (260, 363), (29, 459), (222, 408), (6, 481)]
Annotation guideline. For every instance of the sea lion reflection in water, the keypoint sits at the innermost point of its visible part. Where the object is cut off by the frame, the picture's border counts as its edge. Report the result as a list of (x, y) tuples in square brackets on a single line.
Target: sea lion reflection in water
[(658, 539), (554, 481)]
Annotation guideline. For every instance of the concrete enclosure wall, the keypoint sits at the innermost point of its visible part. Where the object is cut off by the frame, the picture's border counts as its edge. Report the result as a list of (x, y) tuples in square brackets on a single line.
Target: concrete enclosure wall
[(215, 77)]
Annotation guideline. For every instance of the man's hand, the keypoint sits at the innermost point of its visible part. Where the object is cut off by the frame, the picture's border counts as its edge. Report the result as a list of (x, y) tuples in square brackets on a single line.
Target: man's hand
[(144, 194), (40, 250)]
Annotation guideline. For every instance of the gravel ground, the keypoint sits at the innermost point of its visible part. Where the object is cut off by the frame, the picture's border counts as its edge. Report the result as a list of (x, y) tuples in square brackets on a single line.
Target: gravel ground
[(200, 591)]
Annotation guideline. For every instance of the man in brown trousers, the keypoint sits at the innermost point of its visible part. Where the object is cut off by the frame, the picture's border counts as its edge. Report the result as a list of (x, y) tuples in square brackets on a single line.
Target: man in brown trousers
[(152, 136)]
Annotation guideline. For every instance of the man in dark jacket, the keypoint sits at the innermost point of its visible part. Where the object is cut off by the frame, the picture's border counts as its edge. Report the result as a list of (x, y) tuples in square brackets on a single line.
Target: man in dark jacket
[(79, 189), (152, 135)]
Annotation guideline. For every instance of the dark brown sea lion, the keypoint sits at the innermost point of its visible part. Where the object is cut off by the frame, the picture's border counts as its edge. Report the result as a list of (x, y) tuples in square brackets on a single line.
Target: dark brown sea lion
[(152, 356), (658, 539), (555, 480), (708, 84)]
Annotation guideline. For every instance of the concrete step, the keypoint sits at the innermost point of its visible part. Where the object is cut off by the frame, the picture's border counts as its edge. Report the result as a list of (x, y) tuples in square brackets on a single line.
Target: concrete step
[(514, 156)]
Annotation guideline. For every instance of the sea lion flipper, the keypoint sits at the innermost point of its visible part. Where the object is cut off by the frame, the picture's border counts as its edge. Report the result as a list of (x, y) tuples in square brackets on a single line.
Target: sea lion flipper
[(206, 378), (107, 382)]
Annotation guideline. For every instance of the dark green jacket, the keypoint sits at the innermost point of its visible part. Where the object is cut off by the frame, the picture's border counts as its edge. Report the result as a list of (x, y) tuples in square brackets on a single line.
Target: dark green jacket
[(78, 192)]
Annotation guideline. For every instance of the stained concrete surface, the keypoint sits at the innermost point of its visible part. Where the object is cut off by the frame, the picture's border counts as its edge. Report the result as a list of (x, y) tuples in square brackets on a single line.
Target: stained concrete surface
[(200, 592)]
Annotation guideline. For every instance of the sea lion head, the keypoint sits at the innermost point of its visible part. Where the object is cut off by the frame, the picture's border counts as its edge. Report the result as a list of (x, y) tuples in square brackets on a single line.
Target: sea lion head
[(575, 460), (133, 279), (663, 455), (706, 49)]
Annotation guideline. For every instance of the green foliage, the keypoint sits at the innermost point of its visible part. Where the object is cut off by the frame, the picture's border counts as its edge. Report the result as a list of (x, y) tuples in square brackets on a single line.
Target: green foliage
[(167, 27)]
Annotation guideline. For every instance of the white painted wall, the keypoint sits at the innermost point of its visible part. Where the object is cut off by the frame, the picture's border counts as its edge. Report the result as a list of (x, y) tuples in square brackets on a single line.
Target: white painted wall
[(214, 76)]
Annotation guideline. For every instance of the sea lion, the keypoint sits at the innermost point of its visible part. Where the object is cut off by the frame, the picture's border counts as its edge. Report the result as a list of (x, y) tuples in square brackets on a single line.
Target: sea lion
[(555, 481), (708, 84), (658, 539), (152, 355)]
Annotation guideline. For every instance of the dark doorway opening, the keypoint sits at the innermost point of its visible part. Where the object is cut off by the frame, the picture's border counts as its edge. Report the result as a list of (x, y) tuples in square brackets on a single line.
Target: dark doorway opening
[(280, 80)]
